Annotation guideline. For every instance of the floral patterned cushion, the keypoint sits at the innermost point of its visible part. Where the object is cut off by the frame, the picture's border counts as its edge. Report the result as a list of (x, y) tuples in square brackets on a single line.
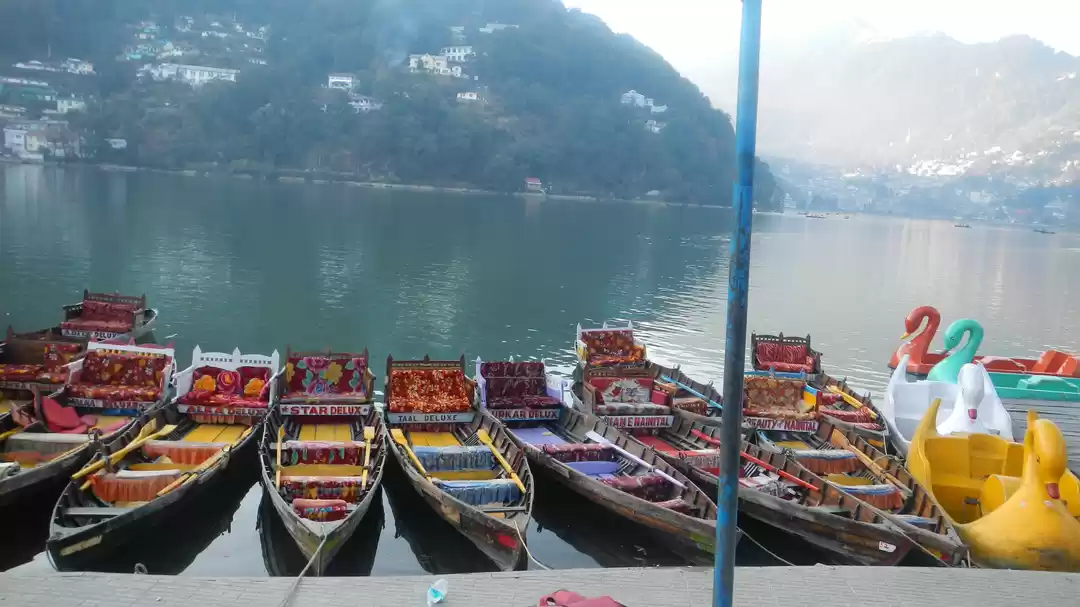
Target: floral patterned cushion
[(515, 386), (57, 355), (580, 452), (113, 393), (785, 358), (321, 487), (53, 377), (322, 452), (692, 404), (512, 369), (652, 487), (217, 399), (123, 369), (612, 347), (429, 391), (112, 326), (774, 397), (20, 372), (622, 389), (336, 374), (321, 510), (529, 401)]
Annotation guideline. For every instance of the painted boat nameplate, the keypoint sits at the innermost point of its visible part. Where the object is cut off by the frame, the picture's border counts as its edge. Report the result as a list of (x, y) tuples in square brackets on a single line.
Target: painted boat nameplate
[(430, 418), (516, 415), (791, 425), (352, 410), (639, 421), (97, 403), (27, 385), (99, 335), (207, 410)]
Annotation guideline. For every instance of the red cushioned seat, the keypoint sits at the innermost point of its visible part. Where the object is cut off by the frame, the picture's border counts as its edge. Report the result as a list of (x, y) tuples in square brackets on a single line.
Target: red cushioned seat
[(64, 420), (20, 372), (115, 393), (114, 326)]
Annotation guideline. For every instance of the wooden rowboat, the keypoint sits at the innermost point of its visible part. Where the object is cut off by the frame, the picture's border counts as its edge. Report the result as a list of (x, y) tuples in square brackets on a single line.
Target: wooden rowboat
[(162, 465), (46, 459), (622, 475), (462, 461), (847, 462), (322, 461)]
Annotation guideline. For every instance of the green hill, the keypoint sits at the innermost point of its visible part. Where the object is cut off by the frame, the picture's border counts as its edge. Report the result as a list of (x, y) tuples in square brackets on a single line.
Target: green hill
[(551, 96)]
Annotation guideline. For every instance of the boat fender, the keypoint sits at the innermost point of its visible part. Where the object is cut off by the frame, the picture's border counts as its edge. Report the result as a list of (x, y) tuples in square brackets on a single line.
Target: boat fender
[(565, 598)]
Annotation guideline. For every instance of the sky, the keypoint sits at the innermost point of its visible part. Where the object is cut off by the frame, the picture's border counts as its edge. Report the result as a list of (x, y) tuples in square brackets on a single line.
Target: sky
[(690, 33)]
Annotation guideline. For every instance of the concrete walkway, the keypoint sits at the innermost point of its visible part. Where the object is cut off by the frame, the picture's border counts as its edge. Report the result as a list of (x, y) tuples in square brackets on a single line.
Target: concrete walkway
[(767, 586)]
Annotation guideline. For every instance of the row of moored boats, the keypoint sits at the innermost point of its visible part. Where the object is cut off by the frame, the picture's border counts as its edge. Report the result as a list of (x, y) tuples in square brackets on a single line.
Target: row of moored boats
[(125, 440)]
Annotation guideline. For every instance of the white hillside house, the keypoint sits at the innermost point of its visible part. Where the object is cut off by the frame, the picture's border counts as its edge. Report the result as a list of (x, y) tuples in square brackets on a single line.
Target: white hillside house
[(469, 96), (654, 127), (457, 54), (434, 64), (344, 82), (363, 103), (495, 27), (195, 75), (636, 99)]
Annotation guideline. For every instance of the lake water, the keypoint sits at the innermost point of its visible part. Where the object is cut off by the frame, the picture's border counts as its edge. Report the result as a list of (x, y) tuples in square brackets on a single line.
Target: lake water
[(260, 265)]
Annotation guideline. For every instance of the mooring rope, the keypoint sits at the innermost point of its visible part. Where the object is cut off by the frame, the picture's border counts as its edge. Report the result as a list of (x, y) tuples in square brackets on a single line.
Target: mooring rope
[(296, 583), (527, 552), (769, 552)]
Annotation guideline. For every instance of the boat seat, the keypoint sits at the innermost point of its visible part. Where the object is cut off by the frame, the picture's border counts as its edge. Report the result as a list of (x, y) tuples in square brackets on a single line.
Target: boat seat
[(538, 436), (918, 521), (885, 497), (345, 488), (595, 468), (322, 510), (677, 505), (829, 509), (478, 493), (455, 457), (108, 512), (322, 452), (651, 487), (162, 466), (131, 485), (182, 452), (580, 452)]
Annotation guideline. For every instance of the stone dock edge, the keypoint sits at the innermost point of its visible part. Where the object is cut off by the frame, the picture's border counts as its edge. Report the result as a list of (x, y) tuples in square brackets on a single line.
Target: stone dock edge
[(655, 587)]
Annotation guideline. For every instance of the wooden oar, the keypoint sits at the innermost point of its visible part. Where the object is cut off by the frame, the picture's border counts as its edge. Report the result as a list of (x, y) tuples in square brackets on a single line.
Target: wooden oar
[(119, 455), (705, 437), (851, 400), (399, 438), (191, 475), (798, 481), (692, 391), (839, 439), (10, 433), (277, 474), (597, 438), (486, 439), (369, 434)]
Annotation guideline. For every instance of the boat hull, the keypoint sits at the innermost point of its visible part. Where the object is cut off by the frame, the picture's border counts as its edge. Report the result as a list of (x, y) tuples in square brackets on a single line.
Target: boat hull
[(310, 535), (490, 535), (84, 548), (136, 333)]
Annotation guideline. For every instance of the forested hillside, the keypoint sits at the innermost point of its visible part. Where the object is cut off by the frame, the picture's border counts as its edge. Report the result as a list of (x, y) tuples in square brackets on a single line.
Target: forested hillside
[(549, 96)]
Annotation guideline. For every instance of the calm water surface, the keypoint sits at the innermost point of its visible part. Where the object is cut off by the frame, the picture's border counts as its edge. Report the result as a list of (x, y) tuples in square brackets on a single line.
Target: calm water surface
[(257, 265)]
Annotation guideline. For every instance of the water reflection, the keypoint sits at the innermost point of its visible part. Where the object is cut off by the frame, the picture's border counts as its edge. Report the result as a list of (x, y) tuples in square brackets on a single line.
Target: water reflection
[(260, 265), (439, 547), (282, 558)]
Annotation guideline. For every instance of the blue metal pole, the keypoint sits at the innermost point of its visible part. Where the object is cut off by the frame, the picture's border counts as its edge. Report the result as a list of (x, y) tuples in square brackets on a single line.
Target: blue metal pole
[(738, 292)]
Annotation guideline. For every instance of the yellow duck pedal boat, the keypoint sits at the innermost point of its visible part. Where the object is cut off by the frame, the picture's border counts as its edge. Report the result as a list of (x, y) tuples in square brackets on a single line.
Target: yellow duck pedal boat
[(1008, 522)]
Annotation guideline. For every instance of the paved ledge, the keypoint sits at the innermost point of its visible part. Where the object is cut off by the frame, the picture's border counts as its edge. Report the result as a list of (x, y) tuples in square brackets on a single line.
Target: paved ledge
[(765, 586)]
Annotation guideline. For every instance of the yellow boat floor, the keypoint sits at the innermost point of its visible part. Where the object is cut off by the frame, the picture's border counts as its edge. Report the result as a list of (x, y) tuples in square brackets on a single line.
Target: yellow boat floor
[(322, 470), (325, 432), (215, 433), (109, 420), (798, 445), (434, 439)]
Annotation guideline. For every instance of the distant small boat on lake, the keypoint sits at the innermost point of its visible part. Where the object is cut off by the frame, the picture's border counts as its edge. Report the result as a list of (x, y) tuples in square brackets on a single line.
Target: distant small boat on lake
[(961, 225), (1043, 231)]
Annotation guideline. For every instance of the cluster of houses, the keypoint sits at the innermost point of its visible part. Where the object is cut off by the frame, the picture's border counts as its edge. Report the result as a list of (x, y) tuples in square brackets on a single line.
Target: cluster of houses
[(635, 99), (347, 82), (31, 140), (17, 94), (69, 66), (234, 40)]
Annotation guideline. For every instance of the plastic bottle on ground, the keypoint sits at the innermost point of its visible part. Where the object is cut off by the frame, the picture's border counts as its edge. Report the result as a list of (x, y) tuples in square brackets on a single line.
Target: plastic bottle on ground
[(437, 592)]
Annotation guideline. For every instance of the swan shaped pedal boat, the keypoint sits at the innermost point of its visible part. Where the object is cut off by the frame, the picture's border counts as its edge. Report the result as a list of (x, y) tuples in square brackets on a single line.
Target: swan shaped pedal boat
[(1009, 502), (971, 406)]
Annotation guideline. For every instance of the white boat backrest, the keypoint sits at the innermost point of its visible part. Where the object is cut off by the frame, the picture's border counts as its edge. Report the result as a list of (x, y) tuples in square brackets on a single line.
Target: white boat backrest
[(221, 360)]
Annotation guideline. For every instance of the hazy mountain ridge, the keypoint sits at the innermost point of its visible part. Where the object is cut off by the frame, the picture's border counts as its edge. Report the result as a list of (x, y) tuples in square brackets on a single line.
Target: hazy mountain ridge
[(929, 105)]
